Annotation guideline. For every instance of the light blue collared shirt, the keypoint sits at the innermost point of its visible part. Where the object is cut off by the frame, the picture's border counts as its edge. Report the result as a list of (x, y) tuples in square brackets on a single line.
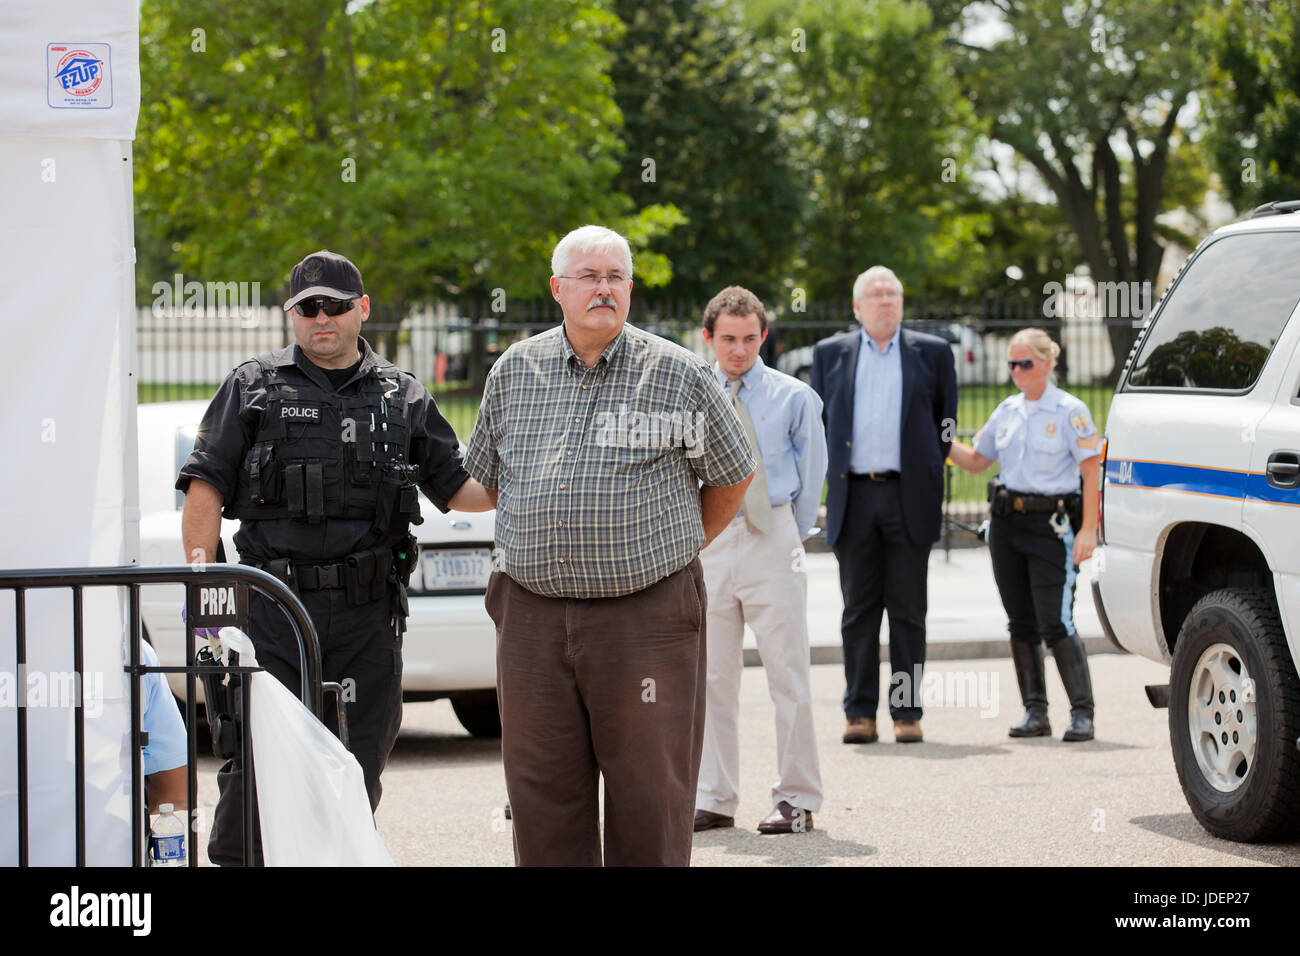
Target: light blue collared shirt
[(1040, 448), (787, 418), (877, 406)]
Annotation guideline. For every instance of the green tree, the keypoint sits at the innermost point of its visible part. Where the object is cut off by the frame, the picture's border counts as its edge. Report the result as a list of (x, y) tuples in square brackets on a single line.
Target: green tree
[(1252, 98), (885, 142), (1090, 94), (443, 147), (701, 125)]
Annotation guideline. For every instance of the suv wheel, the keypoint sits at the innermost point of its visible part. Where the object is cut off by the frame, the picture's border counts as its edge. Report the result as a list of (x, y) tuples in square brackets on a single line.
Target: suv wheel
[(1234, 716), (478, 713)]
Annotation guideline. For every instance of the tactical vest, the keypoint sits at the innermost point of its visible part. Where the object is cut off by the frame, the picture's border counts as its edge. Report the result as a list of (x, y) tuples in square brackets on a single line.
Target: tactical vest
[(319, 455)]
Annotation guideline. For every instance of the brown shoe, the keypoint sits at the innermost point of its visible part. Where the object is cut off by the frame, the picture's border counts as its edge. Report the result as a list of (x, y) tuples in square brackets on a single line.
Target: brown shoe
[(907, 732), (786, 819), (861, 730), (706, 820)]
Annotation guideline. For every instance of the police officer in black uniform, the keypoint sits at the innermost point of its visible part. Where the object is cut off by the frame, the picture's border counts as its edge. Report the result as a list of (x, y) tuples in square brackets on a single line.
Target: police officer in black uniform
[(1041, 528), (318, 449)]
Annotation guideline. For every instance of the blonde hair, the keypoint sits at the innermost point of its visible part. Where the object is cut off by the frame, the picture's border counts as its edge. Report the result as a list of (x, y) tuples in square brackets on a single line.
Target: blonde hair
[(1038, 342)]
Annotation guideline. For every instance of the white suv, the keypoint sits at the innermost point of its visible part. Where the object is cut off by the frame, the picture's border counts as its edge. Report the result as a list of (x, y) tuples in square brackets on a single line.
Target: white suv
[(1201, 484)]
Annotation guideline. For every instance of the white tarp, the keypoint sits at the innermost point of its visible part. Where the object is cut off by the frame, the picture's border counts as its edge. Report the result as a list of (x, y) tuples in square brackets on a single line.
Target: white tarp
[(69, 98)]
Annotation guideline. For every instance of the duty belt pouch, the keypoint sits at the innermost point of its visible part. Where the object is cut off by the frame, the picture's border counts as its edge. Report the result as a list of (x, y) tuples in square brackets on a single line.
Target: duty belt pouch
[(999, 499), (282, 569), (358, 573)]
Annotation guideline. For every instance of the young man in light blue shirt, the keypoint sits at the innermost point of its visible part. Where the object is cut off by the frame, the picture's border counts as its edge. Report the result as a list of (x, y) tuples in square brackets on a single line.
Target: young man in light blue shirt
[(754, 574)]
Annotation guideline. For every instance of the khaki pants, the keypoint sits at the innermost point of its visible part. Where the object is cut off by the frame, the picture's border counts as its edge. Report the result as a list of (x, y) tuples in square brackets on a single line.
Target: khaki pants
[(751, 578), (608, 686)]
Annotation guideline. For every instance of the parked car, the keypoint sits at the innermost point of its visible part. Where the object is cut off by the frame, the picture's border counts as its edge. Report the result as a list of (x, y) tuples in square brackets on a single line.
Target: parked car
[(449, 649), (1201, 486), (967, 346)]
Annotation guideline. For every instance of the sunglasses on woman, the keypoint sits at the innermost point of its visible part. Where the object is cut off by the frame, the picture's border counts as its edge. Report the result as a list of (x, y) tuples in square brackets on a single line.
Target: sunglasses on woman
[(308, 308), (1023, 364)]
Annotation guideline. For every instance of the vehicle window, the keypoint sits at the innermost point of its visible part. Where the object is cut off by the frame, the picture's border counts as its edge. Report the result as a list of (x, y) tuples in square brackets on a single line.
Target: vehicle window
[(1223, 318), (184, 445)]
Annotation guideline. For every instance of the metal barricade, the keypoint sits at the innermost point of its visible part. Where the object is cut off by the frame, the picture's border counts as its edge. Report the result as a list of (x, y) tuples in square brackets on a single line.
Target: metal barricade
[(133, 578)]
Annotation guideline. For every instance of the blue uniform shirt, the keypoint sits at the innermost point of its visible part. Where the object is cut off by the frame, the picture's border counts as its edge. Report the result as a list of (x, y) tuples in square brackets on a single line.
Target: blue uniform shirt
[(160, 719), (1040, 450), (877, 406), (787, 418)]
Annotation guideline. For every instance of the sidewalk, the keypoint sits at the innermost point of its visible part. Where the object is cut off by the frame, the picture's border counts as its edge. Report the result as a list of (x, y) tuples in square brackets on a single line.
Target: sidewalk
[(965, 618)]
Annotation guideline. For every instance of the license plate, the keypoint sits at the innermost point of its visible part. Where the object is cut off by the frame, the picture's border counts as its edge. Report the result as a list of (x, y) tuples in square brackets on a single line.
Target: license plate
[(455, 569)]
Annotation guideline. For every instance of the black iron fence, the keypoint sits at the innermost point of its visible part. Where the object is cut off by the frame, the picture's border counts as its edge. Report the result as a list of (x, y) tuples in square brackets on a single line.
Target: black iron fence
[(450, 346)]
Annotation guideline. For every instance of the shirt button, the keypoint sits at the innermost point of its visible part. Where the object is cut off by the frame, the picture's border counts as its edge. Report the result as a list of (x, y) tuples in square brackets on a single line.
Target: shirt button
[(559, 524), (578, 420), (585, 387), (561, 487), (561, 560)]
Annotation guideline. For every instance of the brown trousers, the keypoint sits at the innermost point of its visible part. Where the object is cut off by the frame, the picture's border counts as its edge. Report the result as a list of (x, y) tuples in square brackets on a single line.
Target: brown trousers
[(606, 686)]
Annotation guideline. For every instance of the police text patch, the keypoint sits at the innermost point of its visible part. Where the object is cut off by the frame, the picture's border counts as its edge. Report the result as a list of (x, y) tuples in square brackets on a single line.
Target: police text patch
[(301, 412)]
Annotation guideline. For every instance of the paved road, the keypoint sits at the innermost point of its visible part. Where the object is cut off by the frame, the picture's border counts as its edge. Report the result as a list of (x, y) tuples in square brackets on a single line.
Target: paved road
[(968, 795)]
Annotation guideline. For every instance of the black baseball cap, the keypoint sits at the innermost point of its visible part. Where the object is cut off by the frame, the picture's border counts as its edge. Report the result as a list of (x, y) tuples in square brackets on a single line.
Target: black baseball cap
[(324, 273)]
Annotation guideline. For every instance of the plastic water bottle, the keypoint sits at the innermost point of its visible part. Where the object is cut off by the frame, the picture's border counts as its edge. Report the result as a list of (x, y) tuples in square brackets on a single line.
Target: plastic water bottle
[(167, 841)]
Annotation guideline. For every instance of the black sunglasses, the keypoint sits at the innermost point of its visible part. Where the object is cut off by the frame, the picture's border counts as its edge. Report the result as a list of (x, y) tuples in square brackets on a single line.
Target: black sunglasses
[(308, 308), (1025, 364)]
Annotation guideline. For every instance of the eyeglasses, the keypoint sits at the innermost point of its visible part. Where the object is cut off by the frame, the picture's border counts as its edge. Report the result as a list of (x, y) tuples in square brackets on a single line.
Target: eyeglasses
[(883, 295), (1022, 364), (589, 280), (308, 308)]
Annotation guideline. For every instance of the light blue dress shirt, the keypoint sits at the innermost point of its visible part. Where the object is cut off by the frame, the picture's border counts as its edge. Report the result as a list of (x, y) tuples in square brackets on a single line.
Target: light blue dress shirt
[(877, 406), (1040, 449), (160, 718), (787, 417)]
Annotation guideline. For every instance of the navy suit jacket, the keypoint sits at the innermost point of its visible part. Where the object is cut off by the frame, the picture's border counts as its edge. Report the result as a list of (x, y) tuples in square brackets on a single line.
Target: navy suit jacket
[(929, 421)]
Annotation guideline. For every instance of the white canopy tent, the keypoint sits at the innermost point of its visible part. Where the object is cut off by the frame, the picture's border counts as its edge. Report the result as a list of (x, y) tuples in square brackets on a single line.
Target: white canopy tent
[(69, 99)]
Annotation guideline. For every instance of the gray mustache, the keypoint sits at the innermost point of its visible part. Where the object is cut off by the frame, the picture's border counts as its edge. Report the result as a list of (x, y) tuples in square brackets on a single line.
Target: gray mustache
[(602, 300)]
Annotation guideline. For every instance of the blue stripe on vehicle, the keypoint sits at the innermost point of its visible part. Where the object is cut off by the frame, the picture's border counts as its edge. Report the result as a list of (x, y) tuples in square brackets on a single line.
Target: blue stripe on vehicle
[(1168, 476)]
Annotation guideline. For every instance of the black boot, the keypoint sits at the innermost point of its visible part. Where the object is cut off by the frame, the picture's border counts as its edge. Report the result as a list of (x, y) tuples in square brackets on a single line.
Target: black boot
[(1072, 663), (1028, 659)]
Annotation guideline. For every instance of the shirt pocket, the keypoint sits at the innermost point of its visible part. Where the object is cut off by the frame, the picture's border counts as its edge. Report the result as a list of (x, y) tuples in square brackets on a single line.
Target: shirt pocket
[(1045, 451)]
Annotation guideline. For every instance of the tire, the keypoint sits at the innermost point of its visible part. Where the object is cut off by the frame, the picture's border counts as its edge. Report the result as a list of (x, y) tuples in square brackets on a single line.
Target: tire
[(1235, 752), (478, 713)]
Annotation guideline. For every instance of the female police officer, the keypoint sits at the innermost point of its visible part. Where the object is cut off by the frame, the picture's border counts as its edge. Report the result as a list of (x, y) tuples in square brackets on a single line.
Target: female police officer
[(1045, 439)]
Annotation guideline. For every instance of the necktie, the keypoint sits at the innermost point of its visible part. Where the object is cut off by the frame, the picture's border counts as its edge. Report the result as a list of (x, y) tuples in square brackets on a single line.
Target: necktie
[(758, 505)]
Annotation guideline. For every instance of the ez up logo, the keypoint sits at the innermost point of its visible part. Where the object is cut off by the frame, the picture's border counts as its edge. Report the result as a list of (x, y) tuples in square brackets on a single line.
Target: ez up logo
[(79, 76)]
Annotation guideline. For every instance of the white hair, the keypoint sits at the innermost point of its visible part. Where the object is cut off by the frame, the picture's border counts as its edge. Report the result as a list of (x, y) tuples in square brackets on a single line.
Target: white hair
[(875, 272), (590, 239)]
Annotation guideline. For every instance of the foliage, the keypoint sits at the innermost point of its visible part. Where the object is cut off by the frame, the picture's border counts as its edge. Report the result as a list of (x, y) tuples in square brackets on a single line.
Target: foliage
[(1252, 98), (444, 148)]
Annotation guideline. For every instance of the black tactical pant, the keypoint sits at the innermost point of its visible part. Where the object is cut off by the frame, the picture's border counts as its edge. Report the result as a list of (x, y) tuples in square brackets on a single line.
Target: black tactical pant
[(1035, 573), (358, 650)]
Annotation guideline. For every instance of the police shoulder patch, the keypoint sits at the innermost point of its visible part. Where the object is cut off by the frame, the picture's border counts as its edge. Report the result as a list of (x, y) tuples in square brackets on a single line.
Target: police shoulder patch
[(1082, 423)]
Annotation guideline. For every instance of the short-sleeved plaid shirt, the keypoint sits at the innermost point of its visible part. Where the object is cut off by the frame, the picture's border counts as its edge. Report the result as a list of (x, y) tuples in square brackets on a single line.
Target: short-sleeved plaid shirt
[(598, 469)]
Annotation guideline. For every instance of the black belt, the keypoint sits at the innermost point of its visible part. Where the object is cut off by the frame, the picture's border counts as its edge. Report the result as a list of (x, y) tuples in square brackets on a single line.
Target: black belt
[(304, 577), (1026, 503), (874, 475)]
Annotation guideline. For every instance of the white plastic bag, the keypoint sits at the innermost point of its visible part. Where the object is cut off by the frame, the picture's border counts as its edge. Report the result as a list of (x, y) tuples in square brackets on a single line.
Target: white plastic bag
[(311, 795)]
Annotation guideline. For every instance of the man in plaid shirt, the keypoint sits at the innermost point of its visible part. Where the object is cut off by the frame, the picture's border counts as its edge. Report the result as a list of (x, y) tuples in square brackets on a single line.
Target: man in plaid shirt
[(614, 459)]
